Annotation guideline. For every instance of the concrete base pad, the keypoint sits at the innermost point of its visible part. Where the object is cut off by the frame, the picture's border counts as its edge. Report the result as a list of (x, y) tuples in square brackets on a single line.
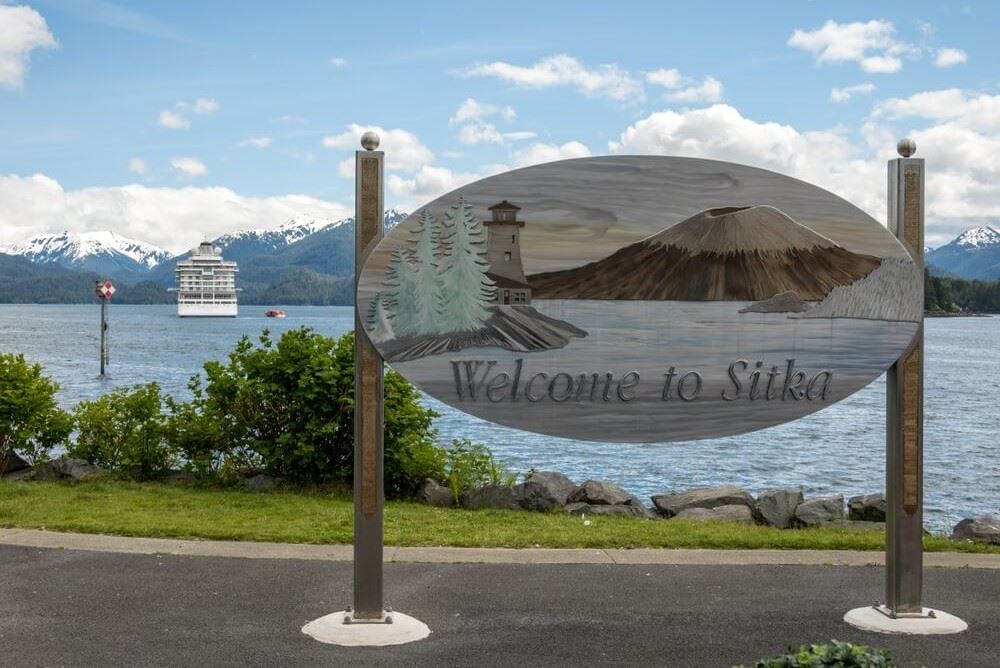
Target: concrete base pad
[(332, 629), (870, 619)]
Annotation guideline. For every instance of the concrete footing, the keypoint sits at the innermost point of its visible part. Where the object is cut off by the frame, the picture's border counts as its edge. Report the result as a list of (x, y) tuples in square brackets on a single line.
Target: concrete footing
[(331, 629), (931, 622)]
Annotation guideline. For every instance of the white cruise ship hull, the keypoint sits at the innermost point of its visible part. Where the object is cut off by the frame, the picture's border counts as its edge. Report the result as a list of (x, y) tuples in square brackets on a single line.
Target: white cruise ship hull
[(207, 310)]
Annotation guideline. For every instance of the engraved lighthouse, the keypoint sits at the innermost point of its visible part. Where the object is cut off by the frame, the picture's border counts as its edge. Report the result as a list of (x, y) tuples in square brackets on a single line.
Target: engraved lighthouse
[(503, 252)]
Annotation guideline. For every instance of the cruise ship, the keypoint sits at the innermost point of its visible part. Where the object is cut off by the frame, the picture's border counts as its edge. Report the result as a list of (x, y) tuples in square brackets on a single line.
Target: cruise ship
[(206, 284)]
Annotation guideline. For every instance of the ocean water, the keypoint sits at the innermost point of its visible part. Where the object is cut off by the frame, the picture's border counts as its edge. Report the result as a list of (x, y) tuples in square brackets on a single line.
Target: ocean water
[(838, 450)]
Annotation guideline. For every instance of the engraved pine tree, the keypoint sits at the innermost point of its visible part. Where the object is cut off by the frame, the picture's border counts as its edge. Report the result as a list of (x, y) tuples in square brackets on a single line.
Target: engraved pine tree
[(378, 325), (428, 292), (401, 295), (465, 285)]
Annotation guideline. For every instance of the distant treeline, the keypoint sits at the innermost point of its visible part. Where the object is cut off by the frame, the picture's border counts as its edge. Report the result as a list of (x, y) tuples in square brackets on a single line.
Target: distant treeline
[(944, 294)]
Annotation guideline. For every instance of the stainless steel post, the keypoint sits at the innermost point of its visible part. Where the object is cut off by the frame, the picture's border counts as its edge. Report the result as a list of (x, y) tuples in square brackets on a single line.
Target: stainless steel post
[(368, 397), (905, 409)]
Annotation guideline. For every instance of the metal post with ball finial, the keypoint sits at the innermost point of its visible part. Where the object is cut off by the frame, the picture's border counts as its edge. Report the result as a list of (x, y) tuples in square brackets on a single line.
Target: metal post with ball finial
[(368, 621), (903, 610)]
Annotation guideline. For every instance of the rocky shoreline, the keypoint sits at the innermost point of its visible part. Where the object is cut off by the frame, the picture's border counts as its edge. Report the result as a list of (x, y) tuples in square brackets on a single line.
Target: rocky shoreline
[(787, 508)]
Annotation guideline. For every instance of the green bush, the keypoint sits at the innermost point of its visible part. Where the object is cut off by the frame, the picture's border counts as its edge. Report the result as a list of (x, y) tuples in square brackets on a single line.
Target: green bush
[(469, 465), (836, 654), (31, 423), (288, 408), (125, 431)]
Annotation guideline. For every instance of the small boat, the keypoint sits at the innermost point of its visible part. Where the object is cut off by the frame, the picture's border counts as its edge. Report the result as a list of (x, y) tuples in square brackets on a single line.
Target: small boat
[(274, 313)]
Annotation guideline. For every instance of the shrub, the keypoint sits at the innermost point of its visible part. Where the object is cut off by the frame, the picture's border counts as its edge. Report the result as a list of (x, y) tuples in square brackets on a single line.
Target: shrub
[(31, 423), (288, 407), (836, 653), (469, 465), (125, 431)]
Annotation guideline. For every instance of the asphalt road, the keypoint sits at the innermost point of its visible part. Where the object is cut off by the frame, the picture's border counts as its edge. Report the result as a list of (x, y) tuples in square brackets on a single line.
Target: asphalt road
[(96, 609)]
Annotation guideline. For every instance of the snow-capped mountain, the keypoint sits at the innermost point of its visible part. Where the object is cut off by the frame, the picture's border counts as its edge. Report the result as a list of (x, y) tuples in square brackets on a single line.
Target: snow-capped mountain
[(107, 253), (294, 230), (973, 254)]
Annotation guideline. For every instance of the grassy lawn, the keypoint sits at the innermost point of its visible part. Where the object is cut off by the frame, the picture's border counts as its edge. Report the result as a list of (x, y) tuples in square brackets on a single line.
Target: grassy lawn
[(130, 509)]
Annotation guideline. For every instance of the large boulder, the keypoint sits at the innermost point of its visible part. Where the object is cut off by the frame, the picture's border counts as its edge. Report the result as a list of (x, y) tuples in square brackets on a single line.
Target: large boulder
[(866, 508), (732, 513), (776, 507), (434, 494), (12, 463), (543, 491), (819, 511), (984, 529), (606, 510), (66, 468), (702, 497), (489, 496), (598, 493)]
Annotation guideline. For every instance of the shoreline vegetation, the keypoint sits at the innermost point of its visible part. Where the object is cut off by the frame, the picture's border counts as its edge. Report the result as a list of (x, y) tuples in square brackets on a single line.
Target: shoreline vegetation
[(326, 517)]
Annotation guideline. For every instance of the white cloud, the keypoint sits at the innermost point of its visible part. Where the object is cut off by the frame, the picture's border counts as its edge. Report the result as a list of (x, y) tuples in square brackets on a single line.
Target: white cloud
[(709, 90), (480, 133), (189, 167), (540, 152), (871, 44), (977, 111), (138, 166), (172, 218), (476, 128), (403, 150), (474, 110), (173, 121), (256, 142), (846, 93), (686, 89), (563, 70), (22, 30), (667, 78), (519, 136), (426, 184), (205, 105), (950, 57), (338, 62)]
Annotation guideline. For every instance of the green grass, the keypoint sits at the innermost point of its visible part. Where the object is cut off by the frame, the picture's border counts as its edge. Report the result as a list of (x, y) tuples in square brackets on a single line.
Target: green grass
[(130, 509)]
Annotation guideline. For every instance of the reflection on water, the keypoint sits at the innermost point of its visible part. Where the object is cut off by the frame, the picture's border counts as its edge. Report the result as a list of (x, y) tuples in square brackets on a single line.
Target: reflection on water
[(837, 450)]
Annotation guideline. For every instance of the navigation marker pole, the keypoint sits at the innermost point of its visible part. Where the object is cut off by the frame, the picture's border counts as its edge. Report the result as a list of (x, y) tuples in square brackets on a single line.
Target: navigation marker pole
[(903, 611), (104, 291), (368, 622)]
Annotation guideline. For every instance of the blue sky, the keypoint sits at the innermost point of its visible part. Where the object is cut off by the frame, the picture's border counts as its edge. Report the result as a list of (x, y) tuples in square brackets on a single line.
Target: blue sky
[(168, 121)]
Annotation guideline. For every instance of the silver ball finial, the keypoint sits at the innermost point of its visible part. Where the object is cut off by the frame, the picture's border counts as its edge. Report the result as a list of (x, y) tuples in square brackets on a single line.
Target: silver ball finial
[(906, 147), (369, 141)]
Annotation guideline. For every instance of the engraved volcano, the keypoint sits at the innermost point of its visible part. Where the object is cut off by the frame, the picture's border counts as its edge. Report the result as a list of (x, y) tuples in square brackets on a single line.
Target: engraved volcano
[(733, 253)]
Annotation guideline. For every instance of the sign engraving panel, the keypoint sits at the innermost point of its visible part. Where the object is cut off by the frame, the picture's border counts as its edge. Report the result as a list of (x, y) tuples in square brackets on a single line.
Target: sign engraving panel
[(640, 298)]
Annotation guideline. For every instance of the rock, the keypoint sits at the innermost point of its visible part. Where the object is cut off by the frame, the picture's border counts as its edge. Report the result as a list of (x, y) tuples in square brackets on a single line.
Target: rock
[(867, 508), (730, 513), (66, 468), (702, 497), (605, 510), (490, 496), (857, 525), (776, 507), (436, 495), (13, 463), (543, 491), (785, 302), (598, 493), (819, 511), (984, 529), (175, 477), (259, 483)]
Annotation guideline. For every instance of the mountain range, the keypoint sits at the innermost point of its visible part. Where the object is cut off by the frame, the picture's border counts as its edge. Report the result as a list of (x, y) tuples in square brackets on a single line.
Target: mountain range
[(743, 253), (304, 261), (974, 254)]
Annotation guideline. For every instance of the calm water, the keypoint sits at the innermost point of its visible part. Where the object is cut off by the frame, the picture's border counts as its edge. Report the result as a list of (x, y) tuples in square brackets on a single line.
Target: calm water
[(837, 450)]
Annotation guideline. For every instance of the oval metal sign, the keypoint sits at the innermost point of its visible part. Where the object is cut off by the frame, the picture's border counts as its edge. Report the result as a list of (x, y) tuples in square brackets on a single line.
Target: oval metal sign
[(640, 298)]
